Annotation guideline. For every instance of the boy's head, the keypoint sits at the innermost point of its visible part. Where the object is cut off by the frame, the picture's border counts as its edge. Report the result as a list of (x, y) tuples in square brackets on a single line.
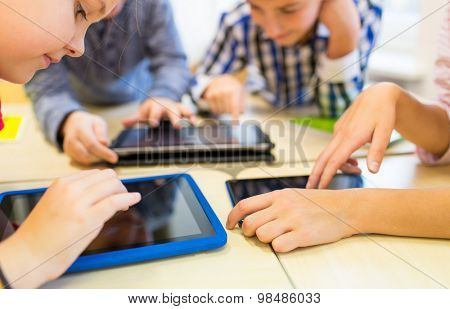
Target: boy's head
[(287, 22), (35, 33)]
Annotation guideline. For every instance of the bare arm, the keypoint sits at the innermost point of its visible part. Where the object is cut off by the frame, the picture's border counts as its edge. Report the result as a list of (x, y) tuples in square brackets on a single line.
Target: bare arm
[(427, 126), (293, 218), (412, 212)]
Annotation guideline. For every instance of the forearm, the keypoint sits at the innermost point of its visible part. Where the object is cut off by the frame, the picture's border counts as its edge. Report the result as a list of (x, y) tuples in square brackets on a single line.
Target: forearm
[(341, 43), (427, 126), (412, 212), (17, 265), (344, 27)]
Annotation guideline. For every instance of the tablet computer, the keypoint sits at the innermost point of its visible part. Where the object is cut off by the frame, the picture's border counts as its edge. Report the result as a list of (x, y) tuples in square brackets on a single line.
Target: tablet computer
[(217, 136), (191, 157), (173, 218), (240, 189)]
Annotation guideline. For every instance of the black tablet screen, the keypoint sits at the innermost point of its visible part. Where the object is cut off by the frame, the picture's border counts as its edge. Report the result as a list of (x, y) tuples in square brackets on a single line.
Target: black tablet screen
[(166, 135), (245, 188), (169, 211)]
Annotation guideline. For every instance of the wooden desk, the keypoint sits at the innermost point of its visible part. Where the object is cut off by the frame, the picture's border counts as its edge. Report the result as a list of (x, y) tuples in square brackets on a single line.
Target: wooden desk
[(242, 263), (375, 261), (34, 159)]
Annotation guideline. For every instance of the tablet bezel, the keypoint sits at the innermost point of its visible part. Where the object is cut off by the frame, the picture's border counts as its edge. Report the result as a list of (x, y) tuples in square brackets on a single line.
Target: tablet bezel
[(153, 251), (261, 147), (233, 198)]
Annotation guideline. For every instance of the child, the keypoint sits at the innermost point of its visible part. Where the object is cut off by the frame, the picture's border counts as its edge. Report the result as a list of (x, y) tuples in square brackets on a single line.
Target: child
[(303, 51), (89, 198), (297, 218), (133, 55)]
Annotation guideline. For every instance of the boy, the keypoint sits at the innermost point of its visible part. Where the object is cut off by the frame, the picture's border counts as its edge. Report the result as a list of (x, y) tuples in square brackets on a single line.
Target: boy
[(305, 51), (135, 54), (52, 237)]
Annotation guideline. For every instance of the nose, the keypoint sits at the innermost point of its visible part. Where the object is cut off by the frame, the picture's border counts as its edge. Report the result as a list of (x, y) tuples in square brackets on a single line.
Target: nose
[(272, 27), (76, 48)]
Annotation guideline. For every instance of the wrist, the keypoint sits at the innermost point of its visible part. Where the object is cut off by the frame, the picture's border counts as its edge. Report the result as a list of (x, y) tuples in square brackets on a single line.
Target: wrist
[(65, 123), (19, 265), (396, 95), (362, 210)]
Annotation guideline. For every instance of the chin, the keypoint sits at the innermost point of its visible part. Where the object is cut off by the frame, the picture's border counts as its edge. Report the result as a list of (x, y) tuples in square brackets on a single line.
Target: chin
[(287, 43), (19, 78)]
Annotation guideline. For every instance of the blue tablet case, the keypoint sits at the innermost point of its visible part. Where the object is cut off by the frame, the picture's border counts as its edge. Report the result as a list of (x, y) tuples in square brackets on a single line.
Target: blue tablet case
[(154, 251)]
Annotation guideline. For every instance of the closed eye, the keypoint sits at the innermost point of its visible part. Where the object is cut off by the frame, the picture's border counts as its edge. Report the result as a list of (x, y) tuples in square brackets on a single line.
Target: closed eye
[(80, 11)]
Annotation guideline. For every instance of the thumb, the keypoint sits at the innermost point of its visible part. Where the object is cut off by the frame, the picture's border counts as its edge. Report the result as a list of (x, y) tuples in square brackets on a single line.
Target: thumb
[(101, 132)]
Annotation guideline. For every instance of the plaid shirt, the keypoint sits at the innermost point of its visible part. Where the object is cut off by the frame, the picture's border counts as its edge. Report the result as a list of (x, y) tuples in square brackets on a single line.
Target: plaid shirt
[(296, 75)]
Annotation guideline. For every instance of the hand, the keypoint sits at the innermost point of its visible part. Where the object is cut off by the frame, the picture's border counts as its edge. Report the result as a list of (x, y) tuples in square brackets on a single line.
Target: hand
[(153, 110), (86, 139), (293, 218), (342, 20), (370, 119), (225, 94), (65, 221)]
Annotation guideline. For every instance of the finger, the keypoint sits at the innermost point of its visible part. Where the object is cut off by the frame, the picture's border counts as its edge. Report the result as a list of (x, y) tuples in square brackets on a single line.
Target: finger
[(79, 153), (271, 230), (256, 220), (321, 162), (101, 132), (352, 161), (287, 242), (350, 169), (99, 191), (187, 113), (174, 117), (380, 142), (155, 115), (249, 206), (95, 178), (131, 121), (108, 207), (336, 161), (140, 116), (95, 148)]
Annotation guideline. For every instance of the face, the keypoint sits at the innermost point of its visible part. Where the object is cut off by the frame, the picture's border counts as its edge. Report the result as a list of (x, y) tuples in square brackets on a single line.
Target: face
[(287, 22), (44, 31)]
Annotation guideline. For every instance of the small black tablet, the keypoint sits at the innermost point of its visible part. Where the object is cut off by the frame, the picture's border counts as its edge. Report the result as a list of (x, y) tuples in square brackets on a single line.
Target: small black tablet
[(244, 188), (216, 136), (172, 218)]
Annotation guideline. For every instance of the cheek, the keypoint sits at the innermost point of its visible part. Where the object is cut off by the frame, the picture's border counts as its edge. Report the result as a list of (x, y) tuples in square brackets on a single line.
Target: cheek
[(37, 31), (52, 34)]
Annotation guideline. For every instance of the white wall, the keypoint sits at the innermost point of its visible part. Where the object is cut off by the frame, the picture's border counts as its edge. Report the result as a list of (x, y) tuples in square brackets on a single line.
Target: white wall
[(407, 59), (197, 22)]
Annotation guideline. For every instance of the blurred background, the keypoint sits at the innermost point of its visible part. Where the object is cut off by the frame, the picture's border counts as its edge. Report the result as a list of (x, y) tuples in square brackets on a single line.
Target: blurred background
[(406, 47), (407, 43)]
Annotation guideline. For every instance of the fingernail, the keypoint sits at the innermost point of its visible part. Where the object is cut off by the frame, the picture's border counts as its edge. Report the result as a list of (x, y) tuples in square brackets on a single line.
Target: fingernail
[(374, 166), (136, 195)]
